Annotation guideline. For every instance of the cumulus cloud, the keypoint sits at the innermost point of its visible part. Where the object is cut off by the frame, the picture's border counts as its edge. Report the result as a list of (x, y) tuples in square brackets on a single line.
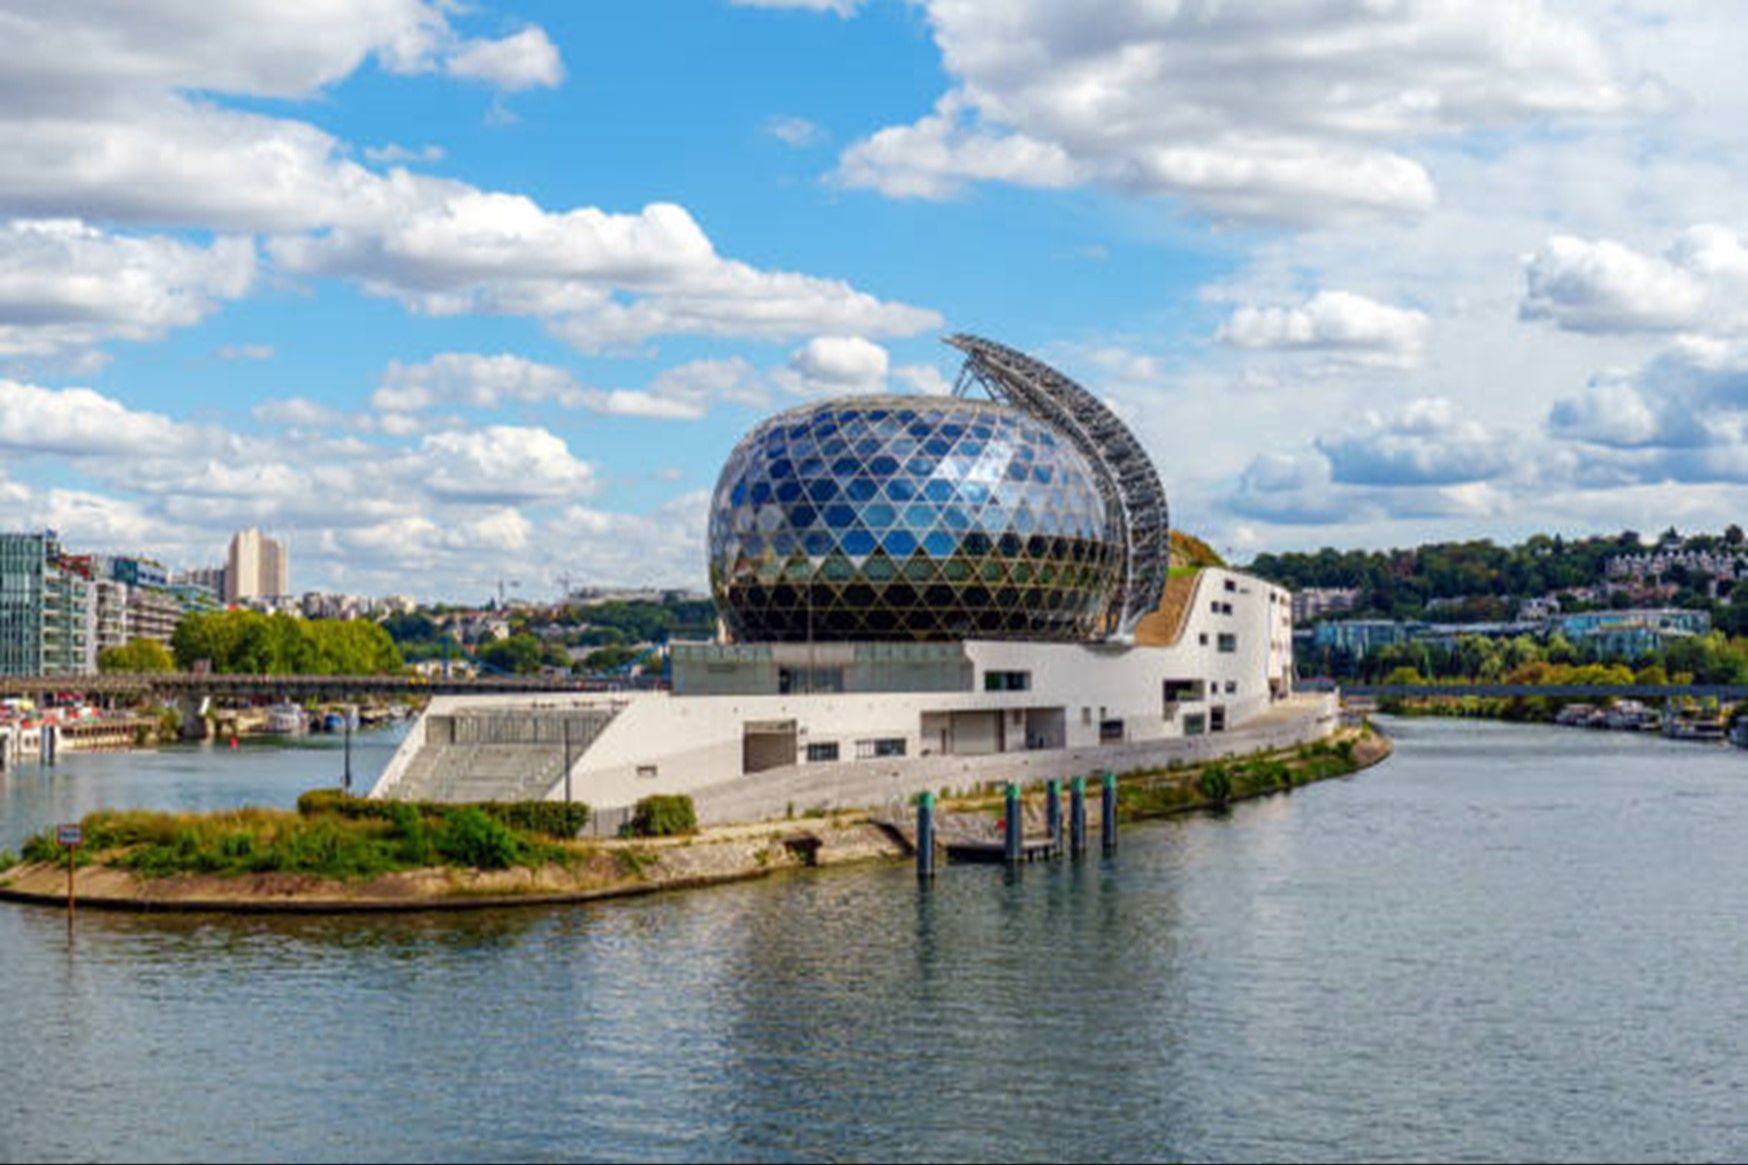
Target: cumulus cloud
[(1424, 442), (465, 378), (461, 379), (79, 422), (503, 464), (525, 60), (65, 286), (96, 114), (1334, 322), (1271, 110), (1699, 284), (829, 365)]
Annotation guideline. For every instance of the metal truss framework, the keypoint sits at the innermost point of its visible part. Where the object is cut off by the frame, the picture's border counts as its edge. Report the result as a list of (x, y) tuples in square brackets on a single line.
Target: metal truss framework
[(1133, 494)]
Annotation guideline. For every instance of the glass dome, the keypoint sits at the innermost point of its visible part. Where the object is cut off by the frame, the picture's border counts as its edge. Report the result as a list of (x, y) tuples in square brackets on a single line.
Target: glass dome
[(922, 518)]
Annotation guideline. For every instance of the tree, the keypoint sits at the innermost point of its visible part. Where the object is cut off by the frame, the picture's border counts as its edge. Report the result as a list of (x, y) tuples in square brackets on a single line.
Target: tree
[(138, 657), (520, 654)]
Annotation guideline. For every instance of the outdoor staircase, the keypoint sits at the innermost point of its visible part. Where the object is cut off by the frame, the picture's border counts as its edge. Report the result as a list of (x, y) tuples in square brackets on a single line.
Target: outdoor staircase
[(498, 755)]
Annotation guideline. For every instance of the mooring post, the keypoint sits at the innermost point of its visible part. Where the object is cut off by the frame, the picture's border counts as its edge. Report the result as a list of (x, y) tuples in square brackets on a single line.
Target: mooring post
[(1077, 817), (1053, 814), (1011, 822), (925, 836), (1108, 813)]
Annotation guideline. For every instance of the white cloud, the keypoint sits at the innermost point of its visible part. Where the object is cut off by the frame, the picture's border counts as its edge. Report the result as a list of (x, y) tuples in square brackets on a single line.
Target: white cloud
[(938, 155), (600, 280), (66, 286), (1334, 322), (1699, 284), (503, 464), (465, 378), (1428, 441), (827, 365), (524, 60), (96, 114), (794, 131), (1265, 110), (78, 422), (924, 378), (299, 413), (394, 153)]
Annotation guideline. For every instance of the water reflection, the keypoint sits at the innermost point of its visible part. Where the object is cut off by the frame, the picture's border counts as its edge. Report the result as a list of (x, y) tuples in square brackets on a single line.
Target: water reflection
[(1506, 942)]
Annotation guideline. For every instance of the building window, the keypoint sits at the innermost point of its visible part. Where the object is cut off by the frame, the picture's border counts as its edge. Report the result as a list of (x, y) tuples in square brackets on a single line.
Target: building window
[(886, 746), (1195, 724), (646, 772), (1231, 585), (1085, 714), (1182, 691), (1110, 731), (1228, 643), (1226, 608), (1214, 606), (1007, 681), (827, 751), (1231, 686), (1204, 638)]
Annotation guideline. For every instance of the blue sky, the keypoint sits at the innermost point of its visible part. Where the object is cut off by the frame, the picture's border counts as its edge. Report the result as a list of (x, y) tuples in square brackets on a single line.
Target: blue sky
[(437, 293)]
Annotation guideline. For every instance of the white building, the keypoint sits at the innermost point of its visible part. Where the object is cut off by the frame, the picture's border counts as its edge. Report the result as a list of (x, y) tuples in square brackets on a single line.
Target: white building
[(257, 567), (916, 593)]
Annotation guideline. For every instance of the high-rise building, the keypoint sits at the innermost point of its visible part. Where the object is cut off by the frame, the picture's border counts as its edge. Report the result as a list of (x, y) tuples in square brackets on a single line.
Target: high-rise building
[(44, 600), (258, 566)]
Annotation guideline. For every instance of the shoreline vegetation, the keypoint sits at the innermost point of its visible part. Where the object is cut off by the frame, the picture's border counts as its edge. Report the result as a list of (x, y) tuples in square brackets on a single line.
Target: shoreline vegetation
[(339, 854)]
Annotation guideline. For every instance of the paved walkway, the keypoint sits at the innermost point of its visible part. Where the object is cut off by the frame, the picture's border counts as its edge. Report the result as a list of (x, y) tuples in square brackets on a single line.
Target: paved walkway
[(877, 784)]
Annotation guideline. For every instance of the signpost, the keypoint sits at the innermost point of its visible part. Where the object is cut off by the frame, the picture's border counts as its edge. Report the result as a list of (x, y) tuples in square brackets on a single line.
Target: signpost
[(70, 836)]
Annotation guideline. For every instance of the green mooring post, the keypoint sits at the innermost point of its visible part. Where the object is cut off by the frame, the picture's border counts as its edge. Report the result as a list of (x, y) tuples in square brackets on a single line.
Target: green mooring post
[(925, 837), (1011, 823), (1077, 817), (1053, 814), (1108, 813)]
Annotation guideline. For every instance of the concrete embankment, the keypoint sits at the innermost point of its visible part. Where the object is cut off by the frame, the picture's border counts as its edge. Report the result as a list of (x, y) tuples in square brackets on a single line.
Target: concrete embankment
[(613, 869)]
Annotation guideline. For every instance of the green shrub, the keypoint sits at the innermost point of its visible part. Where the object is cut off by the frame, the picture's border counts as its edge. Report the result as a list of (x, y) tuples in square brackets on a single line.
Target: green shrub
[(1215, 784), (471, 837), (663, 815), (8, 859), (553, 818)]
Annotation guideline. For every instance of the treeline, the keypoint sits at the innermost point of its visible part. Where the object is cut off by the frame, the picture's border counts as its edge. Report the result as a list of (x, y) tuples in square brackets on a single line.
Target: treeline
[(1398, 583), (1714, 658), (249, 642)]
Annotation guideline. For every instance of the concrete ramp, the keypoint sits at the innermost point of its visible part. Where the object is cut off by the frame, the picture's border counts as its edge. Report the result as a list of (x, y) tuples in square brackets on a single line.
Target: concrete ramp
[(496, 754)]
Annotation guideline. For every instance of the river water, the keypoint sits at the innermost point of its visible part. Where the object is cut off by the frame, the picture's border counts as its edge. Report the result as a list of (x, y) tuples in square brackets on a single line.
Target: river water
[(1503, 943)]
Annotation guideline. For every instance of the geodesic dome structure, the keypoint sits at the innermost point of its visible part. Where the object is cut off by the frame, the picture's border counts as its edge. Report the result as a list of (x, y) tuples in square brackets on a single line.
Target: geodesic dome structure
[(912, 518)]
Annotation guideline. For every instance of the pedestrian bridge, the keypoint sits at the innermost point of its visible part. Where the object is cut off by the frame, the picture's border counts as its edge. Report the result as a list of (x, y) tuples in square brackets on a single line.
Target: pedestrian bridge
[(298, 687)]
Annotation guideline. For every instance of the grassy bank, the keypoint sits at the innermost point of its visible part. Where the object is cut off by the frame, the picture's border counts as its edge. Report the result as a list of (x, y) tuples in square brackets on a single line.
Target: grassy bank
[(330, 836)]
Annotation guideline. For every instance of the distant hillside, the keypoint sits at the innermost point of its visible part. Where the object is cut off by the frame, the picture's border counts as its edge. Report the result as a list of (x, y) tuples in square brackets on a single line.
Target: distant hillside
[(1457, 581), (1189, 550)]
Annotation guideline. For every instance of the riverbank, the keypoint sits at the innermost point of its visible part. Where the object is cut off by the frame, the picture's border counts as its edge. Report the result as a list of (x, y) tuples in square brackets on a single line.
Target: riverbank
[(581, 872)]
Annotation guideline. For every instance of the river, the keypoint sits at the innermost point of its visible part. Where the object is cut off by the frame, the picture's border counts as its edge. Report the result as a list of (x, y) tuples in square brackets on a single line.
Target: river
[(1503, 943)]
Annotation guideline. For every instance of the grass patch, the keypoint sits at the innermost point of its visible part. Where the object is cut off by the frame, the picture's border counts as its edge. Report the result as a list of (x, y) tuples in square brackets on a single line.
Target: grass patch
[(325, 842)]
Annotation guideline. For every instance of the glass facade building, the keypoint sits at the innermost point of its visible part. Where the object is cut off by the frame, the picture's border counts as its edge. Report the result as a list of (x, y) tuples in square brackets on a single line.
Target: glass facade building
[(911, 518), (42, 608)]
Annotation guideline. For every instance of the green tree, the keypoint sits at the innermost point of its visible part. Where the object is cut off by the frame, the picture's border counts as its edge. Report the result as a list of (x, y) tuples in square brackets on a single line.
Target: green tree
[(138, 657), (520, 654)]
